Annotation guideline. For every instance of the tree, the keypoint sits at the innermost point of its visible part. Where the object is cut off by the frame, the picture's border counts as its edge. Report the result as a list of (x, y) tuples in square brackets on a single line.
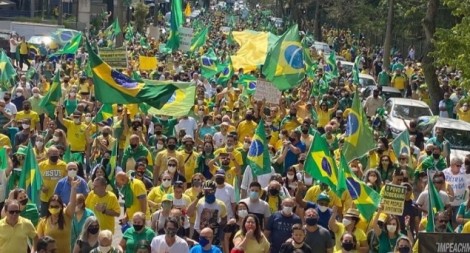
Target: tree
[(140, 14), (388, 36)]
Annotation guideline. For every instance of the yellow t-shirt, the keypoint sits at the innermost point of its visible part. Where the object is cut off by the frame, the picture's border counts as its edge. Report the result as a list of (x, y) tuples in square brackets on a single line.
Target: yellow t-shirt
[(76, 135), (273, 202), (111, 203), (236, 155), (252, 245), (290, 125), (51, 174), (138, 190), (23, 47), (246, 128), (358, 233), (465, 116), (13, 239), (156, 194), (62, 236), (189, 163), (32, 115), (314, 191), (466, 228), (324, 117), (162, 160), (399, 82), (4, 141)]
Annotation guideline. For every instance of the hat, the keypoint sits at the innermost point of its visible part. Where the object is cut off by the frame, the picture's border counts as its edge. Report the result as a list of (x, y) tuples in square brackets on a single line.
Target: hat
[(209, 184), (188, 138), (323, 197), (167, 197), (352, 213), (220, 172), (21, 150)]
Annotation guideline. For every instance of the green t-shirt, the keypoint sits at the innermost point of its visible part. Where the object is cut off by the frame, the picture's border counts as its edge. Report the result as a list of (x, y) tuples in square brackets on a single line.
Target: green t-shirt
[(31, 213), (132, 238), (383, 79), (168, 125), (387, 244)]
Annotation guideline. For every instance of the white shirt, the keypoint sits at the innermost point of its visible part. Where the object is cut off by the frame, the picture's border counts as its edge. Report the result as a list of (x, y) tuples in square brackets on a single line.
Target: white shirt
[(227, 195), (219, 140), (444, 113), (458, 183), (263, 180), (189, 125), (13, 45), (423, 199), (10, 108), (159, 245), (205, 212), (372, 104)]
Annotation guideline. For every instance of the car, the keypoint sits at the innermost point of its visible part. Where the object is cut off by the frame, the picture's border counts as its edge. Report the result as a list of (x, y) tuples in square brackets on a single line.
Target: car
[(346, 66), (401, 110), (457, 132), (366, 80), (39, 39), (322, 48), (387, 91), (5, 40)]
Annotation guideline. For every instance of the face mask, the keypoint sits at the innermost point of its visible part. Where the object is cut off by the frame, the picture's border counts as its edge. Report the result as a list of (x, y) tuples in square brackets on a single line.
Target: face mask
[(203, 241), (281, 136), (133, 145), (171, 146), (87, 119), (242, 213), (391, 228), (24, 202), (104, 249), (436, 156), (346, 222), (254, 195), (293, 186), (172, 169), (274, 191), (311, 221), (105, 134), (19, 94), (54, 211), (210, 198), (36, 95), (166, 184), (25, 126), (322, 208), (93, 230), (200, 113), (249, 117), (138, 227), (404, 249), (55, 138), (76, 121), (293, 114), (159, 146), (428, 153), (219, 180), (72, 173), (200, 102), (290, 177), (246, 145), (196, 184), (287, 210), (305, 131), (158, 132), (170, 232), (291, 139), (54, 158), (348, 246), (208, 150), (39, 144)]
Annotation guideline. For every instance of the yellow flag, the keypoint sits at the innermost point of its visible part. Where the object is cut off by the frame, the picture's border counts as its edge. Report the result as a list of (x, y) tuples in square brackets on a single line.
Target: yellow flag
[(187, 10), (147, 62)]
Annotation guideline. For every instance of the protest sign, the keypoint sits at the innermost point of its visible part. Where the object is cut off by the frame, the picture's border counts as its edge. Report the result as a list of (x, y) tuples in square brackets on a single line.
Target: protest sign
[(265, 90), (443, 242), (394, 199), (186, 36), (116, 58)]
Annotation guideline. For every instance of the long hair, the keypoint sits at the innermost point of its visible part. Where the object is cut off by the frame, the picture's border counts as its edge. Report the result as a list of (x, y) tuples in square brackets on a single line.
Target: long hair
[(61, 220), (84, 234), (257, 232), (99, 167), (389, 219)]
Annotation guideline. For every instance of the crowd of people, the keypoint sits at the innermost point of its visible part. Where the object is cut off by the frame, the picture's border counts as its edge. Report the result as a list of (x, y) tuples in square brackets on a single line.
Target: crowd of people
[(183, 184)]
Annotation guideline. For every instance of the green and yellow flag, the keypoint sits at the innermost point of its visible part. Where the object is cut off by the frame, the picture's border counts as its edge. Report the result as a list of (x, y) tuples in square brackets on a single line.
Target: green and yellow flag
[(104, 113), (176, 21), (72, 46), (200, 39), (226, 72), (209, 64), (356, 70), (30, 178), (7, 71), (401, 144), (180, 103), (50, 101), (258, 154)]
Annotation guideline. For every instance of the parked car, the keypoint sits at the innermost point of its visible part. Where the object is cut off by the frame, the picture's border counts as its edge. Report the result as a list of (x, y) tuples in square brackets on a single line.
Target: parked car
[(346, 66), (5, 40), (457, 132), (322, 48), (400, 110), (387, 91)]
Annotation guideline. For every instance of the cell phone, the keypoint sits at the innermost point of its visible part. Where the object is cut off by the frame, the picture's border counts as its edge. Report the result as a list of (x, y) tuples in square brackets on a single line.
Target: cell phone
[(267, 111)]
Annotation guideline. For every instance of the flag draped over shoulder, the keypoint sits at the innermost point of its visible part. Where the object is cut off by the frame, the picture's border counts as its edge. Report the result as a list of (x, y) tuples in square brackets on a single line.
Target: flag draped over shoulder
[(284, 65), (365, 198), (7, 71), (320, 164), (258, 154), (401, 144), (176, 21), (52, 97), (200, 39), (30, 178), (209, 64), (113, 87), (359, 138)]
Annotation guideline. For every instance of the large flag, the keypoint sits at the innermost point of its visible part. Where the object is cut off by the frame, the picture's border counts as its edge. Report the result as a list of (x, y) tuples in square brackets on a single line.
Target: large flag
[(112, 32), (209, 64), (365, 198), (258, 154), (180, 103), (254, 47), (331, 61), (50, 101), (226, 72), (30, 178), (7, 71), (72, 46), (200, 39), (113, 87), (176, 21), (359, 137), (320, 164), (284, 65), (401, 144), (435, 204), (356, 71)]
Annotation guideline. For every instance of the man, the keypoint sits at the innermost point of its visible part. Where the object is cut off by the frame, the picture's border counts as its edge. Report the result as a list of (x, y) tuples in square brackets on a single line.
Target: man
[(439, 140), (64, 185), (439, 182), (306, 137), (134, 195), (46, 244), (103, 203), (27, 113), (188, 124), (161, 161), (291, 150), (205, 243), (220, 138), (105, 141), (5, 117), (409, 209), (446, 107), (434, 162), (15, 231), (331, 138), (24, 50), (22, 137), (247, 127), (462, 111), (105, 240), (225, 192), (236, 159), (373, 103), (318, 237), (290, 122), (10, 107), (456, 179), (278, 227), (134, 151), (190, 157), (257, 206), (52, 170), (77, 131), (169, 242), (323, 212), (383, 78), (399, 81)]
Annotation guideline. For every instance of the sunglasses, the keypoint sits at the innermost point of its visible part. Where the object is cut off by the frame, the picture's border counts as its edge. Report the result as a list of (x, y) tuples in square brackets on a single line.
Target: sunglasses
[(54, 206), (172, 165), (12, 212), (442, 221), (166, 179)]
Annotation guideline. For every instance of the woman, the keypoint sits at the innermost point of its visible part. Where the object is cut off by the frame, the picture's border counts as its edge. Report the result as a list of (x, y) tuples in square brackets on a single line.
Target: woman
[(233, 225), (348, 243), (99, 171), (155, 196), (58, 139), (386, 169), (58, 221), (291, 181), (71, 102), (14, 175), (372, 179), (390, 233), (324, 115), (173, 171), (207, 127), (250, 238), (158, 218), (403, 245), (39, 149), (81, 215), (136, 233), (28, 210), (88, 238), (463, 214), (204, 158)]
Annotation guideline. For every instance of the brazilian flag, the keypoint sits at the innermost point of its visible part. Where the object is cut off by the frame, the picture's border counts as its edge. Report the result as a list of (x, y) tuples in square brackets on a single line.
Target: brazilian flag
[(284, 65), (52, 97), (226, 72), (401, 144), (249, 84), (105, 112), (208, 64), (258, 154), (200, 39)]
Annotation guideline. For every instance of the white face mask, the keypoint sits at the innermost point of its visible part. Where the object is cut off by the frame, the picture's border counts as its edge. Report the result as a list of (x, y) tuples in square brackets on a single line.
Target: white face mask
[(104, 249), (391, 228), (346, 222), (308, 180), (172, 169), (200, 102), (159, 146), (76, 121), (19, 94), (246, 145), (287, 210), (72, 173), (242, 213), (55, 138), (281, 136), (322, 208), (290, 176), (36, 95), (25, 126), (166, 183), (39, 144), (87, 119)]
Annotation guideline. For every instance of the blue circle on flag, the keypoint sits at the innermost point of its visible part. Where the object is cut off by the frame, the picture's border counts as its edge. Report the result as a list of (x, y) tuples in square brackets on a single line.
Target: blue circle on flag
[(66, 35), (404, 150), (256, 148), (326, 167), (352, 125), (172, 98), (294, 56), (354, 188), (206, 61), (252, 85), (123, 80), (226, 71)]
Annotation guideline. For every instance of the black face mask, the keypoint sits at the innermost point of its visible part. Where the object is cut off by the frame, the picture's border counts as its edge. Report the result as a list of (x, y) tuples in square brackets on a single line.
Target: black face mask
[(348, 246), (428, 153), (158, 132), (293, 114), (467, 163), (405, 249), (436, 156), (54, 158), (24, 202), (188, 147), (26, 108), (171, 146), (311, 221), (249, 117), (93, 230), (138, 227), (305, 130), (133, 146), (291, 139), (219, 180), (105, 134), (273, 191)]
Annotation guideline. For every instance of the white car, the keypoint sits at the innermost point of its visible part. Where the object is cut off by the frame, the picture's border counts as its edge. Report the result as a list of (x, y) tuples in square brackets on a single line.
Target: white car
[(347, 66), (404, 109), (322, 48), (366, 80), (457, 132)]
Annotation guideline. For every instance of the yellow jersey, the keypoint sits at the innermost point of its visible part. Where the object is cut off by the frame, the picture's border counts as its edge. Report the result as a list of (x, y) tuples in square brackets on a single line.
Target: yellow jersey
[(110, 202), (51, 174), (76, 135), (31, 115)]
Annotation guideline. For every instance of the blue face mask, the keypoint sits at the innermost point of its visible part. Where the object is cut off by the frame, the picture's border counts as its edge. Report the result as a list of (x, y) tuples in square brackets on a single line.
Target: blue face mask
[(203, 241), (210, 198), (254, 195)]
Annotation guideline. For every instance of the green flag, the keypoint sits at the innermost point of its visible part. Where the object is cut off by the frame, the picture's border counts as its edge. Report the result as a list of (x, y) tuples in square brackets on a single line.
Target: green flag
[(7, 71), (105, 112), (331, 61), (435, 205), (230, 38), (112, 32), (401, 144), (176, 21), (284, 65), (72, 46), (258, 154), (51, 100), (3, 158), (226, 72), (180, 103), (359, 137), (200, 39), (129, 32), (248, 83), (209, 64), (30, 178), (356, 71)]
